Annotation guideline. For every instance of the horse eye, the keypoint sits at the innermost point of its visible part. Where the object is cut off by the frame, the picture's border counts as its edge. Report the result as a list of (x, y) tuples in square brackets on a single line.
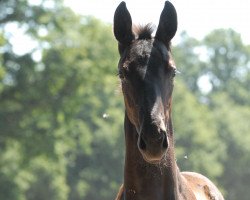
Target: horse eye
[(171, 71), (121, 76)]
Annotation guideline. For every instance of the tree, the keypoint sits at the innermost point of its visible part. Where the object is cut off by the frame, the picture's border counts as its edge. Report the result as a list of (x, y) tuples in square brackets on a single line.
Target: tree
[(57, 110), (224, 61), (186, 56), (229, 103), (228, 64), (198, 145)]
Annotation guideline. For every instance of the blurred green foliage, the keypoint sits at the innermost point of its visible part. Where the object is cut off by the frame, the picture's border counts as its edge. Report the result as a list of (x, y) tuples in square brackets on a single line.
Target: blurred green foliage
[(61, 109)]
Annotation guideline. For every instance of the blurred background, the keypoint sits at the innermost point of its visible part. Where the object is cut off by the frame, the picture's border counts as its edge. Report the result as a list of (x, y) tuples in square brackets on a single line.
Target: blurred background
[(61, 109)]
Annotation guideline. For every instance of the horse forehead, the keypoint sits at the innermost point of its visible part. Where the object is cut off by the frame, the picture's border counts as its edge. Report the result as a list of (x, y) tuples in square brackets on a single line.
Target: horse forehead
[(148, 48), (141, 48)]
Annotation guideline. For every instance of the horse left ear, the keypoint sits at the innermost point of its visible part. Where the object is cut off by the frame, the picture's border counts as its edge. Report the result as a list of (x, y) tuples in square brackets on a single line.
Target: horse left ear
[(167, 25)]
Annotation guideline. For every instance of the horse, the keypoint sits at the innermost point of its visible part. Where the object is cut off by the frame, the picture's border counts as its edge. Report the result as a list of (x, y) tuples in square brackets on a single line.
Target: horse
[(146, 71)]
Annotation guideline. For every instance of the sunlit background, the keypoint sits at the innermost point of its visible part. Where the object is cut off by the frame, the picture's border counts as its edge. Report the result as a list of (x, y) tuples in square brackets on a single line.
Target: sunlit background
[(196, 17), (61, 108)]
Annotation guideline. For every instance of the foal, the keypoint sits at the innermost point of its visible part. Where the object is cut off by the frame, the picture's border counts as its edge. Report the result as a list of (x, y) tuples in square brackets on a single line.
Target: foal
[(147, 72)]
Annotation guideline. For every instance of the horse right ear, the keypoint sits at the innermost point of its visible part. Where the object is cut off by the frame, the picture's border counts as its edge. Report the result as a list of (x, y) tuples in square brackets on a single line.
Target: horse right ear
[(123, 26)]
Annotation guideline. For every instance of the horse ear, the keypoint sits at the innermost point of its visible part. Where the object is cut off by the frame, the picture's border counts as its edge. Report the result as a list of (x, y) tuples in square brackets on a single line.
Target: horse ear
[(123, 25), (167, 25)]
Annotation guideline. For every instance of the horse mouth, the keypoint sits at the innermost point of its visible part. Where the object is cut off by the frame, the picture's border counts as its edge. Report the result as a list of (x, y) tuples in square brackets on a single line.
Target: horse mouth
[(153, 161)]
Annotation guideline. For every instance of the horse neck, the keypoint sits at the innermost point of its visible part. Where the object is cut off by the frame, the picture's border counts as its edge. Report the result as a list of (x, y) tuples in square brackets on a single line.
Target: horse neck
[(143, 180)]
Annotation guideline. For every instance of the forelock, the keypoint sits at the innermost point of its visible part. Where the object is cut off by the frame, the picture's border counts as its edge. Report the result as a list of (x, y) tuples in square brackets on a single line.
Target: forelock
[(143, 32)]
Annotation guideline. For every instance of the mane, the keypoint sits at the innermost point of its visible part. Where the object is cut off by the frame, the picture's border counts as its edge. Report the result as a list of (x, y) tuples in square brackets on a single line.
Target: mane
[(143, 32)]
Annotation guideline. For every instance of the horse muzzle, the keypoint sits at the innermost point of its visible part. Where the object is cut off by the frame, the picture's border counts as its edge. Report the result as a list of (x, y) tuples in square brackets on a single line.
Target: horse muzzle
[(153, 144)]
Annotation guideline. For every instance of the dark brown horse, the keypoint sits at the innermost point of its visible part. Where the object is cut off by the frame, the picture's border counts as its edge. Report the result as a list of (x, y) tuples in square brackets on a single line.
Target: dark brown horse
[(147, 73)]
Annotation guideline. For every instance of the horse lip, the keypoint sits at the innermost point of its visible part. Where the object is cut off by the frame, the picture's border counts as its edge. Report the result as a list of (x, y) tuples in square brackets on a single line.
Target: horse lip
[(152, 161)]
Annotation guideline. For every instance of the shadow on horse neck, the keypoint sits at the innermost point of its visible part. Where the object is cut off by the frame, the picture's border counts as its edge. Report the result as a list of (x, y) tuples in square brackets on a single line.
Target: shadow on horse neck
[(147, 71)]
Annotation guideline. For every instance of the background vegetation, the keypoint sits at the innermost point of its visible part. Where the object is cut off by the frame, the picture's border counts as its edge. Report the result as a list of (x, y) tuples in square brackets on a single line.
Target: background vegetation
[(61, 111)]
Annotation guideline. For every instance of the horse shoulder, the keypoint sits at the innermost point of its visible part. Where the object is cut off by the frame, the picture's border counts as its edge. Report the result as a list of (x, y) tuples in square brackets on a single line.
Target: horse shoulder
[(119, 196), (202, 187)]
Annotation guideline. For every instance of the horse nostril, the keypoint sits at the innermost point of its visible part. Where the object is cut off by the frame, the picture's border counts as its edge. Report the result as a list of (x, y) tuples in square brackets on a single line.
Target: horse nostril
[(142, 144), (165, 141)]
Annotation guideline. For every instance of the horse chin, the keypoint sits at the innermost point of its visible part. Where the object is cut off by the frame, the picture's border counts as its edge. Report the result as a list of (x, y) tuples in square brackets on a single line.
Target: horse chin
[(153, 160)]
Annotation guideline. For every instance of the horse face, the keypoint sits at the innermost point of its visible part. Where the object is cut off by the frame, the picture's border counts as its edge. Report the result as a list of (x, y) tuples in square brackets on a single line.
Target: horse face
[(146, 71)]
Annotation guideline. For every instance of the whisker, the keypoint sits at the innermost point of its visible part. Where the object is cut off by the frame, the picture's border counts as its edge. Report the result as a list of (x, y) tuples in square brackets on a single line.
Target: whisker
[(177, 71)]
